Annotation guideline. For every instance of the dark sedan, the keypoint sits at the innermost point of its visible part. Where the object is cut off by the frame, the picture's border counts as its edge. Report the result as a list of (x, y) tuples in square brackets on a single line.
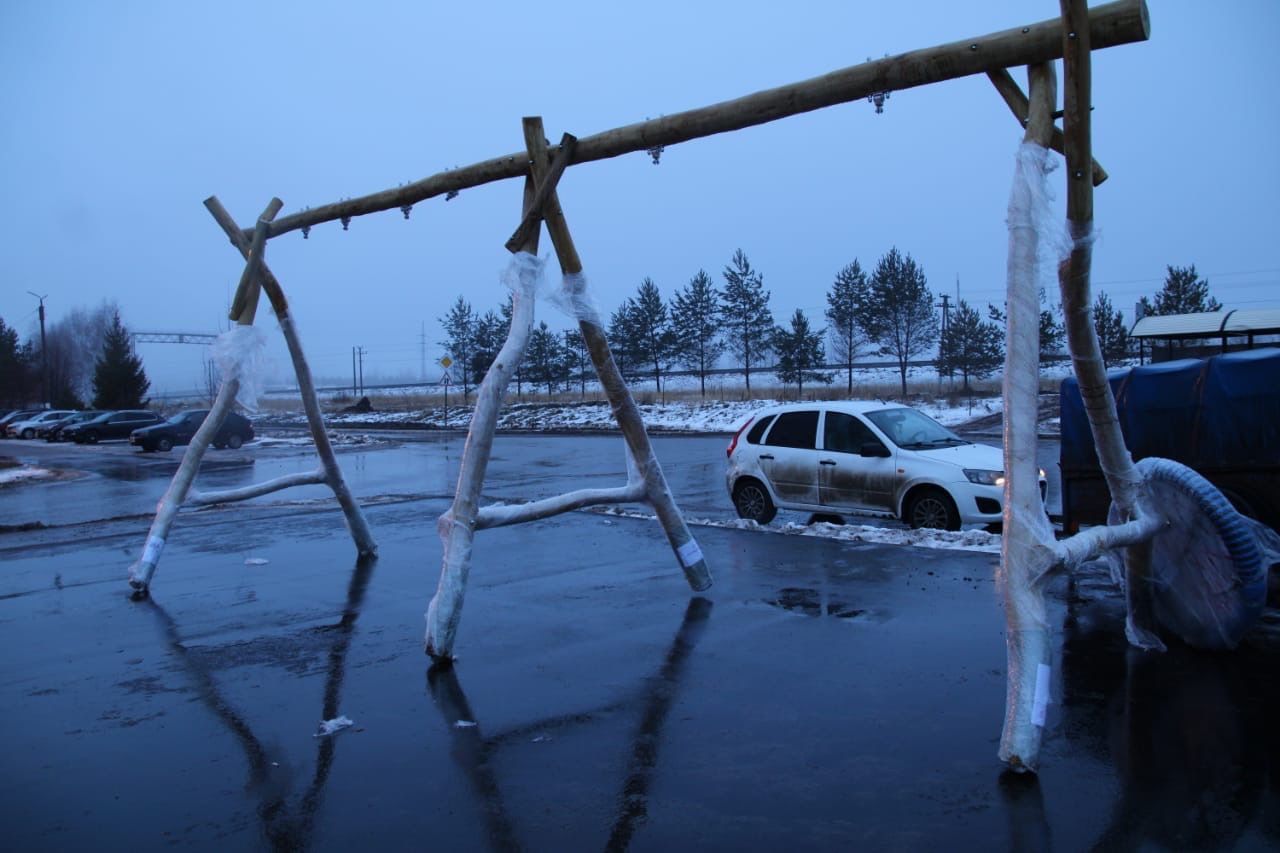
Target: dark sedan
[(109, 425), (235, 431), (54, 431)]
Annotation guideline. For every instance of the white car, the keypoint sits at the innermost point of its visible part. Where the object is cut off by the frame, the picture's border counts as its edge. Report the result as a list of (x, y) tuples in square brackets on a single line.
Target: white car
[(30, 427), (865, 458)]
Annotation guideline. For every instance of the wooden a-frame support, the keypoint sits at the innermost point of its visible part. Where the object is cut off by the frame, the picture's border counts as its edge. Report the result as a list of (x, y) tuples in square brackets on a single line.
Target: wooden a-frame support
[(646, 481), (255, 278), (1026, 562)]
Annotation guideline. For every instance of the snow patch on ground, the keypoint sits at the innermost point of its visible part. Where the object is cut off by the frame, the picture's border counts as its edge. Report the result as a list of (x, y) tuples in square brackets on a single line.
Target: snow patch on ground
[(25, 474), (960, 540)]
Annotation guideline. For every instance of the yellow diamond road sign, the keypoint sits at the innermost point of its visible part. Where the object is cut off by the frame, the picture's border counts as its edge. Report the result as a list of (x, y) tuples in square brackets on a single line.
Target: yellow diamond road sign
[(446, 362)]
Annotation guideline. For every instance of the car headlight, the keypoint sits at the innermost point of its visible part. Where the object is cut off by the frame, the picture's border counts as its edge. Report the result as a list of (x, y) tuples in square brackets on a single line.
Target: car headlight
[(984, 478), (1041, 473)]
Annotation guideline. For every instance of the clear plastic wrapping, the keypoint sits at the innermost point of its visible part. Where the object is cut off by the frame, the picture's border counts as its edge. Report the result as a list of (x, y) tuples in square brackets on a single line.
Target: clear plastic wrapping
[(238, 353)]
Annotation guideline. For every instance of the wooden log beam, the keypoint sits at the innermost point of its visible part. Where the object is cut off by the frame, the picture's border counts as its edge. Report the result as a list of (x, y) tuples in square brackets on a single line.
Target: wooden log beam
[(1112, 24), (1019, 105)]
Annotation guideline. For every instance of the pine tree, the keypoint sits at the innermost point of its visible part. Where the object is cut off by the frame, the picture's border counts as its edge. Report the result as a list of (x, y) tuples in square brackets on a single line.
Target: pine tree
[(695, 323), (119, 382), (846, 303), (622, 337), (1184, 292), (1113, 337), (491, 334), (900, 317), (577, 359), (460, 327), (654, 340), (15, 367), (544, 358), (799, 352), (971, 346), (748, 321)]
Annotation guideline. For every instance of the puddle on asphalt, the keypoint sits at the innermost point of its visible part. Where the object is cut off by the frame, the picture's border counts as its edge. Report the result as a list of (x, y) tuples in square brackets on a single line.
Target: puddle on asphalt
[(810, 602)]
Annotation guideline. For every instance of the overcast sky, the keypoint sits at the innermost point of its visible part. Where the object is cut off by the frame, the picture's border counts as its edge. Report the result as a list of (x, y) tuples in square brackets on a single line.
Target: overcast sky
[(120, 118)]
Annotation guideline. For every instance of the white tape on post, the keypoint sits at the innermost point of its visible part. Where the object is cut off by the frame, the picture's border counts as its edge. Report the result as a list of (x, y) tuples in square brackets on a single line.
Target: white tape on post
[(689, 553), (151, 551), (1044, 675)]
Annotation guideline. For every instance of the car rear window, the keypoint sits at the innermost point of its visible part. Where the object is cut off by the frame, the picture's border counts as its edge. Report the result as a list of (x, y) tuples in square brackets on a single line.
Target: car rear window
[(753, 437), (794, 429)]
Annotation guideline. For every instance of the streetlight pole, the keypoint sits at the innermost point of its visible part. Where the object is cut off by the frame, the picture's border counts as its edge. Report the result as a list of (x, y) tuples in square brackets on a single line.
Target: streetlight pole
[(44, 353)]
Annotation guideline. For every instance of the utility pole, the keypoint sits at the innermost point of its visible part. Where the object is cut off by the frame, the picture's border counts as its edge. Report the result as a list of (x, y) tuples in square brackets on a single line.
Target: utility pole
[(44, 353), (360, 351), (422, 353), (946, 319), (355, 389)]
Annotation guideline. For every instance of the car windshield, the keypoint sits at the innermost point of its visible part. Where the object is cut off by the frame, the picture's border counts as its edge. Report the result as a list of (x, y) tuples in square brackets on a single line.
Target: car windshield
[(912, 430)]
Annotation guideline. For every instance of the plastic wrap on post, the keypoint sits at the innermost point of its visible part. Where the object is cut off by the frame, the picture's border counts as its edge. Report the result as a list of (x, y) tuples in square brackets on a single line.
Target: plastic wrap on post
[(523, 274), (1028, 555), (238, 354), (575, 300)]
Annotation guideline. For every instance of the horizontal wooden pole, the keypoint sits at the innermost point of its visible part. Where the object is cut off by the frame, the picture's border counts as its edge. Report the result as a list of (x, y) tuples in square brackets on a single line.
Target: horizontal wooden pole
[(1019, 105), (1112, 24)]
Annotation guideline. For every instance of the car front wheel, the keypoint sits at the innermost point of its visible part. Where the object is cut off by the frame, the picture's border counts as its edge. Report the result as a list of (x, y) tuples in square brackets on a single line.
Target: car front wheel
[(234, 441), (752, 502), (91, 437), (164, 445), (932, 508)]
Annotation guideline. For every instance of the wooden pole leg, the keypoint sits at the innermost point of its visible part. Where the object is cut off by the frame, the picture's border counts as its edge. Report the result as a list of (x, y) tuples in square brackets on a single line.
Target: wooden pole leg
[(457, 527), (688, 553)]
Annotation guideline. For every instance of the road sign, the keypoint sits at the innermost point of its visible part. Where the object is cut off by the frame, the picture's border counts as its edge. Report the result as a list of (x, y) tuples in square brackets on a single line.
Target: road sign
[(446, 362)]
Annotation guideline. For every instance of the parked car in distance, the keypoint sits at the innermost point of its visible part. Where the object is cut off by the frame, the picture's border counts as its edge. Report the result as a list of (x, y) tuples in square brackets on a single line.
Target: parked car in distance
[(15, 415), (25, 428), (867, 458), (236, 430), (53, 432), (110, 425)]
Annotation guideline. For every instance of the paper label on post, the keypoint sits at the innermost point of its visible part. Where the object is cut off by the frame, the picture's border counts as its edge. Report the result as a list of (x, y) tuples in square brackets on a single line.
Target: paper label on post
[(690, 554), (151, 552), (1044, 675)]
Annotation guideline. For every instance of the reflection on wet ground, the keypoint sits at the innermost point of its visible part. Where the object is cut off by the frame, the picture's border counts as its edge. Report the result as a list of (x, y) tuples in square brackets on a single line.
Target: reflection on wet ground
[(286, 825), (845, 696), (474, 752)]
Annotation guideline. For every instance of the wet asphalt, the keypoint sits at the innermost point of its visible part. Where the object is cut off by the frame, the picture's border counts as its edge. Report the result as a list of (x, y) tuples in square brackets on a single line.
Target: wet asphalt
[(823, 695)]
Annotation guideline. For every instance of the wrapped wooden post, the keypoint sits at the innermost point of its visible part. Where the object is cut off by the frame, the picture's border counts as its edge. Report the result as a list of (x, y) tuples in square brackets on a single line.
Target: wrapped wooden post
[(1128, 492), (686, 549), (457, 527), (330, 472), (1027, 547), (245, 305)]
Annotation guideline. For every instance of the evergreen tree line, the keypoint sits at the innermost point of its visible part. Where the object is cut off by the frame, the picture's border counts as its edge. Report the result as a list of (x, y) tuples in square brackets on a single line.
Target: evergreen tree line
[(87, 355), (887, 312)]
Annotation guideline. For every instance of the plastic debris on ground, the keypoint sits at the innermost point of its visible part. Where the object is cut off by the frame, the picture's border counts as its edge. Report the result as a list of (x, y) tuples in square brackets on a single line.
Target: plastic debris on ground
[(337, 724)]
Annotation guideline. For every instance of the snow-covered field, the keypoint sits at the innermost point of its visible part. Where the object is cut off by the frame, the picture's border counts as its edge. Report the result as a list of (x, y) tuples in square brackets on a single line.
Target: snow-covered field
[(712, 416)]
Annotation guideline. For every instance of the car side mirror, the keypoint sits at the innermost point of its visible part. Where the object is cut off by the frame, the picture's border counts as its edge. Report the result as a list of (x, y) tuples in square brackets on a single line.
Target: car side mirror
[(873, 448)]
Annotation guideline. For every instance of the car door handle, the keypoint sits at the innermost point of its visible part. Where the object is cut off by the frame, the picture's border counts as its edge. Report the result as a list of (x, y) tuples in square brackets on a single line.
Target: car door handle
[(826, 461), (766, 456)]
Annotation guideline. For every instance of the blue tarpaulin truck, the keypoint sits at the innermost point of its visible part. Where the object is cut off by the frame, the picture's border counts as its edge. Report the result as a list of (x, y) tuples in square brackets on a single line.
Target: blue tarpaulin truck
[(1219, 415)]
